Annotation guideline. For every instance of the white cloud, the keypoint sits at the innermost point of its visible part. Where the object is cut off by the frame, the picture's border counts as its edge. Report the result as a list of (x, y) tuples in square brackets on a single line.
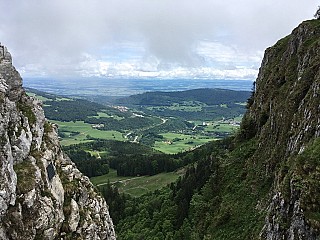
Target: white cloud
[(145, 38), (133, 70)]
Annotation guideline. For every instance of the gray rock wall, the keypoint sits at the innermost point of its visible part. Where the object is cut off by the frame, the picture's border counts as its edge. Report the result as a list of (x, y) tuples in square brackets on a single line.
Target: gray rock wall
[(286, 114), (42, 193)]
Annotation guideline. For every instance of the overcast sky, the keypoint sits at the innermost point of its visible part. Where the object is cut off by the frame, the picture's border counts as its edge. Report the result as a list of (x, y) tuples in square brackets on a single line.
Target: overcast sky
[(146, 38)]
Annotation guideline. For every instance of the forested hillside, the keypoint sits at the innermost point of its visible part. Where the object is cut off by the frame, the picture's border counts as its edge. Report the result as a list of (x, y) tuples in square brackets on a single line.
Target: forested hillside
[(261, 184), (198, 104), (209, 96), (129, 159)]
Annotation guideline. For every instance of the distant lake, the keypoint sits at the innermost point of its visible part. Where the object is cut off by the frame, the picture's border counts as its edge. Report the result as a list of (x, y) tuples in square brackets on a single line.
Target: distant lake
[(126, 87)]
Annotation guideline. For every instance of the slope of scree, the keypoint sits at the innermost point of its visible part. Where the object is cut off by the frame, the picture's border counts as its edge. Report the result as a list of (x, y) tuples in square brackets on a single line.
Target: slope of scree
[(42, 194), (284, 118)]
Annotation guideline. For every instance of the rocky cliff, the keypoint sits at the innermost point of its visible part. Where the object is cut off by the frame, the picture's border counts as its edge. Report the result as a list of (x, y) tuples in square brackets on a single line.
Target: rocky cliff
[(42, 194), (284, 117)]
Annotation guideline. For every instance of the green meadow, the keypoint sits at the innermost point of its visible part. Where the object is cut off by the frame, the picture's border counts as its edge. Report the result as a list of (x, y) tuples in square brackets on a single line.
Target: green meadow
[(175, 142), (41, 98), (79, 132), (107, 115), (137, 186), (221, 127)]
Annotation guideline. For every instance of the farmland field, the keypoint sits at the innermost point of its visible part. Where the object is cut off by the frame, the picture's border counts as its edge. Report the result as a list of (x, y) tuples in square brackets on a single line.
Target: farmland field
[(137, 186), (79, 131), (174, 142)]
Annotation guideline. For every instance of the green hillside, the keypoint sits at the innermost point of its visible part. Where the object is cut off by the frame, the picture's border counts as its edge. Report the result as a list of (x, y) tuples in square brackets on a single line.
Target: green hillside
[(208, 96)]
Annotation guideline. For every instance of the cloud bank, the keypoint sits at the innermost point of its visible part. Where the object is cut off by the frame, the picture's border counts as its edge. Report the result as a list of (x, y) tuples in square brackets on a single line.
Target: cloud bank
[(160, 38)]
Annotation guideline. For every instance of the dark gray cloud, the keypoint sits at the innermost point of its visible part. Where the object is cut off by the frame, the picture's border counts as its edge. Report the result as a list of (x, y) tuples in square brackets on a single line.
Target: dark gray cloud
[(55, 36)]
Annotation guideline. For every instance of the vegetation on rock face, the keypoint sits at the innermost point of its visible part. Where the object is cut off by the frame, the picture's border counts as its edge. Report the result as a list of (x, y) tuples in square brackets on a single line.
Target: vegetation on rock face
[(306, 179), (26, 110), (26, 176)]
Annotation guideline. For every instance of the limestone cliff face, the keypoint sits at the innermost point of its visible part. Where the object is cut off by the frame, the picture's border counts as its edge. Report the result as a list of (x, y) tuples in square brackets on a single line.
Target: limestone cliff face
[(42, 194), (284, 116)]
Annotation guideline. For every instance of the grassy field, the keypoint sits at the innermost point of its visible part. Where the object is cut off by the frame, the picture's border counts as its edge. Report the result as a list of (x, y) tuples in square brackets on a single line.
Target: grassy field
[(97, 154), (79, 132), (41, 98), (238, 119), (221, 127), (107, 115), (175, 142), (137, 186)]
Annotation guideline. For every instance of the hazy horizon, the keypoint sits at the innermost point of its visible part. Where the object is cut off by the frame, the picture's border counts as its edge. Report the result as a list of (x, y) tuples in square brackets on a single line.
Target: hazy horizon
[(127, 87)]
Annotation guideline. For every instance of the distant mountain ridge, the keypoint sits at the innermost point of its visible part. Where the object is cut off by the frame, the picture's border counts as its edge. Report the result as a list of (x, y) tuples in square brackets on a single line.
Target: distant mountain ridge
[(210, 96)]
